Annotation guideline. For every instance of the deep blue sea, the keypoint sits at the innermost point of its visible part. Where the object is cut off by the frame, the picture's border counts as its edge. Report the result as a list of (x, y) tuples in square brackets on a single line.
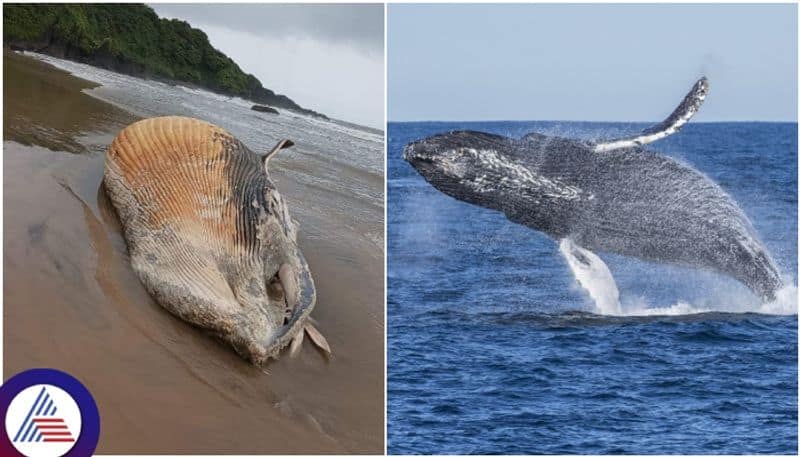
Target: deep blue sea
[(493, 348)]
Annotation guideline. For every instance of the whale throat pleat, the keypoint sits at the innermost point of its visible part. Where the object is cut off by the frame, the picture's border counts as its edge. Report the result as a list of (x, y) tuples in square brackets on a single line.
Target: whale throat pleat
[(179, 185)]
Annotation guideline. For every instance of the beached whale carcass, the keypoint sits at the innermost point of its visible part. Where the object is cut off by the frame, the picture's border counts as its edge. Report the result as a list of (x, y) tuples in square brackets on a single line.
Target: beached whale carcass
[(613, 196), (209, 235)]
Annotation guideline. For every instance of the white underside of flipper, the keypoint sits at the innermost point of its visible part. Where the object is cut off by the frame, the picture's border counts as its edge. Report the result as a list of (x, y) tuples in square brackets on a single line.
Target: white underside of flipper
[(593, 275), (688, 107)]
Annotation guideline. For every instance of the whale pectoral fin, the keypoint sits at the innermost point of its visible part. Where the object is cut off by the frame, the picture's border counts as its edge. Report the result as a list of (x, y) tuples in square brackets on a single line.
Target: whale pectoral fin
[(687, 108), (593, 275), (297, 343), (317, 338), (282, 144)]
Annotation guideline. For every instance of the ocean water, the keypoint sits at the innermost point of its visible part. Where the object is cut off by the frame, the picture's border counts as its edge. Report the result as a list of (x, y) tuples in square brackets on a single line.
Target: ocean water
[(494, 348)]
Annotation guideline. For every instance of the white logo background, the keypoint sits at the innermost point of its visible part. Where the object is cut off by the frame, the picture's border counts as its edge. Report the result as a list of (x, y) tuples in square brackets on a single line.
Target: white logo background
[(67, 410)]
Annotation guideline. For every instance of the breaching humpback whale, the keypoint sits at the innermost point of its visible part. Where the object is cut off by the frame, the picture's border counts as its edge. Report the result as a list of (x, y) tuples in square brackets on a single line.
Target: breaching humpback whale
[(608, 196)]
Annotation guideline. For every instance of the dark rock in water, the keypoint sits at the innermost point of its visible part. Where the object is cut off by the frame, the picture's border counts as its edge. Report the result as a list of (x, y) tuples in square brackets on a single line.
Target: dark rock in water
[(264, 109)]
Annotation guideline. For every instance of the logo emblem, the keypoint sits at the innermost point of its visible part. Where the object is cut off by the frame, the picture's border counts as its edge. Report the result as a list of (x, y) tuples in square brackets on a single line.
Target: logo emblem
[(48, 413)]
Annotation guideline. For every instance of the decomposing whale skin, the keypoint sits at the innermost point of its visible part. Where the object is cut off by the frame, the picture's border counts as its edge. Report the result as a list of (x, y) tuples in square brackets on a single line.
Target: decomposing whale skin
[(613, 196), (208, 234)]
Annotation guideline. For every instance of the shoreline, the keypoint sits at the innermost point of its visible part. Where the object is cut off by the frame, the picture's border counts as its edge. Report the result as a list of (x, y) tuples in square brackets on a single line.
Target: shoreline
[(185, 84), (59, 63), (32, 28)]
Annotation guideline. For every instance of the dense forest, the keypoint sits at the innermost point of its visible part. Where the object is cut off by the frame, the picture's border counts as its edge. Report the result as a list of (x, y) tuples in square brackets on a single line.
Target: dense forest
[(132, 39)]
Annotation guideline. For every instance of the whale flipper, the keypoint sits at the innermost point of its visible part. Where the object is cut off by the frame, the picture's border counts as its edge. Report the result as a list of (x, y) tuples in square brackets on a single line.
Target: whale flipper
[(593, 275), (688, 107), (282, 144)]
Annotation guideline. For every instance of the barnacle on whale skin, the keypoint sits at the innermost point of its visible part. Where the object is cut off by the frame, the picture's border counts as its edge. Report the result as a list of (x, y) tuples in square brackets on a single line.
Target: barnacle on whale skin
[(209, 235)]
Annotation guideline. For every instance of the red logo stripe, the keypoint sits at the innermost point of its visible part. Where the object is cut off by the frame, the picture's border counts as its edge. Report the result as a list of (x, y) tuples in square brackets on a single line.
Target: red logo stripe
[(53, 430)]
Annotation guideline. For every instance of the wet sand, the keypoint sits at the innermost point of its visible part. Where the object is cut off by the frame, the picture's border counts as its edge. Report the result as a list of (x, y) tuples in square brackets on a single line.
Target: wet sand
[(72, 302)]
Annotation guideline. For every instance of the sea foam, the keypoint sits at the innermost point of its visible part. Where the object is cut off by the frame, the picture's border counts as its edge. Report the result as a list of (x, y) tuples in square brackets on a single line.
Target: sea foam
[(595, 278)]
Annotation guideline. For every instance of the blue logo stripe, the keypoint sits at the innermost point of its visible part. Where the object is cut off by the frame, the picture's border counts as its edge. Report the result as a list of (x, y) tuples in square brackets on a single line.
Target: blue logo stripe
[(30, 413), (31, 426), (30, 434), (41, 407)]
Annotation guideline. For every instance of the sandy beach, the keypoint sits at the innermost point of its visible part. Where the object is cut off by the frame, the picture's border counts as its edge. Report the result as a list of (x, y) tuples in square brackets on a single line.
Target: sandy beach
[(72, 301)]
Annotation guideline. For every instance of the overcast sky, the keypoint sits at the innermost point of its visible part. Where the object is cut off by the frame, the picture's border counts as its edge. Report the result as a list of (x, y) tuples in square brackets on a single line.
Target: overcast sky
[(598, 62), (326, 57)]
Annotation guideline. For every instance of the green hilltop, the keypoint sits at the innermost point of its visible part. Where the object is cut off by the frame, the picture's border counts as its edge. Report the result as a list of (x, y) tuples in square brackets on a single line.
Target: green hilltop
[(132, 39)]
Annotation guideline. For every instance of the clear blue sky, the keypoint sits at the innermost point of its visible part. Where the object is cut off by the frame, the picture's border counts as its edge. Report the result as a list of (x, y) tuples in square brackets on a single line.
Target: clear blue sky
[(590, 62)]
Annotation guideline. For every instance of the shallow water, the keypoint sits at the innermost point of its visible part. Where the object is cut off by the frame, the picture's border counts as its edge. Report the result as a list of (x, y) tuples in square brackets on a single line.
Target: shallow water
[(72, 302), (494, 348)]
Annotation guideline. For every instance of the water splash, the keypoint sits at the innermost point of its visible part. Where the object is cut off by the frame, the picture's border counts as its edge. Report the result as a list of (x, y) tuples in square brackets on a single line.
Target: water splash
[(785, 302), (596, 279)]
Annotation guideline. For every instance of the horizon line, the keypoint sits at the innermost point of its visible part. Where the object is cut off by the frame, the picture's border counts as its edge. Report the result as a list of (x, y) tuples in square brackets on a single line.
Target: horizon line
[(595, 122)]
